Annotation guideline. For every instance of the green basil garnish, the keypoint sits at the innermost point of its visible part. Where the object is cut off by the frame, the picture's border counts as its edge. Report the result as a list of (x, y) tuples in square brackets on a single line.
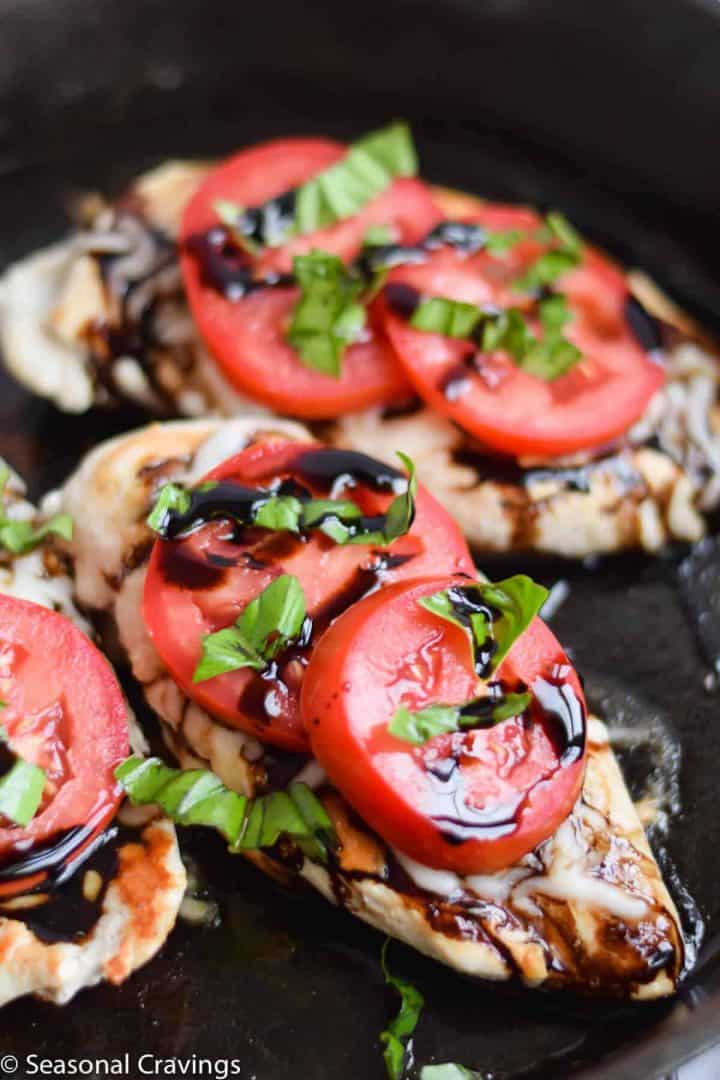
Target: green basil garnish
[(21, 788), (266, 626), (418, 727), (370, 165), (327, 317), (19, 537), (549, 266), (493, 616), (172, 499), (198, 797), (547, 357), (396, 1035), (340, 519)]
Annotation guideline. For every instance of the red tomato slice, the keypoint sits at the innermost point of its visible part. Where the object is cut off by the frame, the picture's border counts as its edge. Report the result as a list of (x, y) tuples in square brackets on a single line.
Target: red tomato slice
[(201, 583), (506, 408), (64, 712), (473, 801), (247, 336)]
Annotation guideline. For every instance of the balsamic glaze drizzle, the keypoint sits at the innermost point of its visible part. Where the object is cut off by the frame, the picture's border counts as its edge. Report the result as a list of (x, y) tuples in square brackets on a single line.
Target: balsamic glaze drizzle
[(644, 326), (326, 470)]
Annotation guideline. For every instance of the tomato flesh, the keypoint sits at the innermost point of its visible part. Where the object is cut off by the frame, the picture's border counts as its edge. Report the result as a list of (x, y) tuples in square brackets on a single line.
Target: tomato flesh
[(491, 397), (473, 801), (66, 713), (202, 582), (247, 336)]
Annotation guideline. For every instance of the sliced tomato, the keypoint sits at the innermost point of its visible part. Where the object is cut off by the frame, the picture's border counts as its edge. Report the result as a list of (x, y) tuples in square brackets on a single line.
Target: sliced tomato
[(247, 336), (201, 583), (492, 398), (65, 712), (473, 801)]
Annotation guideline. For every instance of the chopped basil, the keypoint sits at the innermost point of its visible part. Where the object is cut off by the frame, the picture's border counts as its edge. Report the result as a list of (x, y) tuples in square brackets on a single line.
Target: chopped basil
[(560, 228), (21, 789), (546, 269), (266, 626), (499, 243), (513, 603), (198, 797), (231, 216), (418, 727), (379, 236), (281, 513), (370, 165), (396, 1035), (340, 519), (171, 499), (327, 317), (449, 1071), (554, 355), (549, 266), (508, 330), (20, 536), (517, 600), (453, 318)]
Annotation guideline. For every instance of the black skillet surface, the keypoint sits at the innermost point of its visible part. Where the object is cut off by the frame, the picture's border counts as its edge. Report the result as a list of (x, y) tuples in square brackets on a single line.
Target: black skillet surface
[(610, 111)]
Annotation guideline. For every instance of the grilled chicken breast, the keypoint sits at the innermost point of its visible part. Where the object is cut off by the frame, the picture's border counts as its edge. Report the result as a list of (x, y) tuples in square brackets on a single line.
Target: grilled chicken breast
[(588, 909), (101, 317), (140, 902)]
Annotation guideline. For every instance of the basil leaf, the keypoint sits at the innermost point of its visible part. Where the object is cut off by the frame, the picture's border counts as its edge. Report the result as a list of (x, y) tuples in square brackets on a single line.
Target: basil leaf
[(226, 650), (511, 705), (518, 600), (507, 330), (546, 270), (266, 626), (396, 1035), (453, 318), (418, 727), (449, 1071), (198, 797), (171, 499), (499, 243), (567, 235), (231, 216), (19, 536), (401, 512), (370, 165), (21, 791), (281, 513), (327, 317), (379, 236)]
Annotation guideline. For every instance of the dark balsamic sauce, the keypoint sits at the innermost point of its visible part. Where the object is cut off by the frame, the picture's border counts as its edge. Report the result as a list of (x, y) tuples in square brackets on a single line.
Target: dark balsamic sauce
[(226, 268), (559, 702), (645, 327), (67, 915), (402, 299), (467, 602), (324, 471)]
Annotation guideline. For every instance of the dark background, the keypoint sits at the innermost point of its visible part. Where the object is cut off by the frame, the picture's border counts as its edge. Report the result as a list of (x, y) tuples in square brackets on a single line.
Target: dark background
[(610, 111)]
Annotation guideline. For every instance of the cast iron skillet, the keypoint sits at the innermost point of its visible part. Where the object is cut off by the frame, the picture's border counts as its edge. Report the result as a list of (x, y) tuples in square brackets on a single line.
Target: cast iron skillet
[(610, 111)]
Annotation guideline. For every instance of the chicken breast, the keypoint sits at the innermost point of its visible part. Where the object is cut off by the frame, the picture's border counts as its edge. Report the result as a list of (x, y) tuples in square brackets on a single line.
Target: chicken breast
[(135, 905), (587, 910), (102, 317)]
